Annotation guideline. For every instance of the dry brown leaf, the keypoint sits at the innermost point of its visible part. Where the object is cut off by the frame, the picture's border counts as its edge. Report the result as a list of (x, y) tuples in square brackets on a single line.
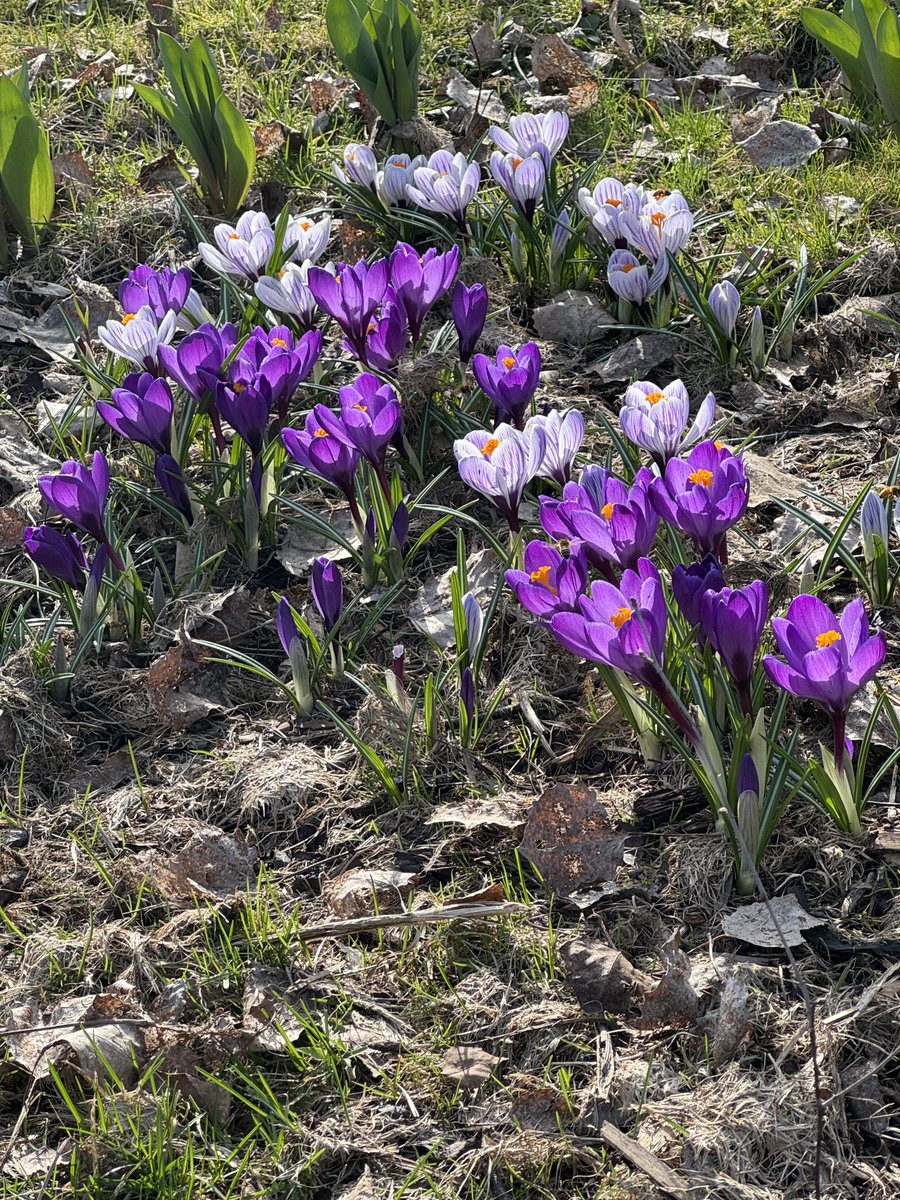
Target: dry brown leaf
[(781, 920), (12, 526), (556, 66), (571, 840), (358, 893), (468, 1066), (538, 1107), (673, 1003), (602, 978), (71, 170), (505, 812), (57, 1038), (212, 864), (160, 172), (268, 1018), (26, 1158), (269, 139)]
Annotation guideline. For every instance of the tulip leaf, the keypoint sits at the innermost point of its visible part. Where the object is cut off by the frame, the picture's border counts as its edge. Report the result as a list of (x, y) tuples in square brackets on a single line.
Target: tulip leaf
[(842, 41), (887, 41), (26, 172), (239, 150), (379, 44)]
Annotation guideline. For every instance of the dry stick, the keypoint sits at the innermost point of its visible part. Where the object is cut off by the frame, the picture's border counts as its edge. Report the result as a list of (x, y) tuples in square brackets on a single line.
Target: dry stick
[(808, 1002), (618, 37), (662, 1175), (422, 916)]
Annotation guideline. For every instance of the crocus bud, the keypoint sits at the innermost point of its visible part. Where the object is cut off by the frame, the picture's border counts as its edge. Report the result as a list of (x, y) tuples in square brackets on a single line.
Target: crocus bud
[(757, 340), (468, 308), (873, 524), (474, 624), (748, 822), (327, 587), (92, 592), (400, 527), (292, 642), (690, 583), (559, 239), (170, 478), (467, 693), (518, 254), (725, 303), (398, 662), (59, 554)]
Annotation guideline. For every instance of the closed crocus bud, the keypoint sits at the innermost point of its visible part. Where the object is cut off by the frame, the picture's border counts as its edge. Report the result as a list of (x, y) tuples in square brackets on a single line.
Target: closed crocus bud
[(757, 339), (725, 303), (58, 553), (733, 621), (517, 253), (359, 166), (398, 662), (327, 587), (690, 583), (400, 526), (748, 814), (468, 308), (474, 624), (873, 525), (292, 643), (170, 478), (420, 280), (467, 692), (522, 179), (141, 410)]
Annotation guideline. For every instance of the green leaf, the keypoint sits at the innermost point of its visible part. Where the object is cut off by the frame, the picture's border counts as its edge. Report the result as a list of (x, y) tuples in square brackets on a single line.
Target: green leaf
[(864, 16), (354, 46), (239, 153), (26, 172), (887, 79), (185, 131), (841, 40)]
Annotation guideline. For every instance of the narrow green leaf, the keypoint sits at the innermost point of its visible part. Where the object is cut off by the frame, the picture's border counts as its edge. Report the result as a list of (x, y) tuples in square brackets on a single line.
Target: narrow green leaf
[(239, 153), (841, 40)]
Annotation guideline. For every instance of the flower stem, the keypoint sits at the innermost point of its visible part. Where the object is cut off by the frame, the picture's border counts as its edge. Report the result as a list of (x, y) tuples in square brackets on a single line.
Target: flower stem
[(839, 730)]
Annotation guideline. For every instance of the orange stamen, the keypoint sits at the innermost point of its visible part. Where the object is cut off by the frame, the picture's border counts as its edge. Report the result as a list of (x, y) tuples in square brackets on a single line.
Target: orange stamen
[(701, 476), (620, 616), (279, 342), (655, 397), (614, 203), (628, 267), (304, 225), (828, 638), (658, 219), (360, 407), (127, 317), (542, 576), (239, 387), (490, 446), (320, 433), (508, 362), (234, 237), (606, 512)]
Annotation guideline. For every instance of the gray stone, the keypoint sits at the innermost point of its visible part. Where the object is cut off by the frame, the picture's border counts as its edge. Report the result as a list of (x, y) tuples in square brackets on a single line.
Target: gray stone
[(783, 144), (573, 318)]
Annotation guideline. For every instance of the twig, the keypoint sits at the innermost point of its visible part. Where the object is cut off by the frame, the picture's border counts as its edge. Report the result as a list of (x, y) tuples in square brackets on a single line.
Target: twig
[(662, 1175), (422, 916), (621, 41)]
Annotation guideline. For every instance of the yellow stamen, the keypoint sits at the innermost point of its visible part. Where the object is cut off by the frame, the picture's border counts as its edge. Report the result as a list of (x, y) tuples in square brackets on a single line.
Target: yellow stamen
[(398, 163), (701, 476), (360, 407), (542, 576), (239, 387), (628, 267), (828, 638), (127, 317), (719, 445), (371, 327), (508, 362), (304, 225), (279, 342), (620, 616), (320, 433), (490, 446), (234, 237), (655, 397), (606, 512), (658, 219), (613, 203), (351, 158), (282, 273), (443, 174)]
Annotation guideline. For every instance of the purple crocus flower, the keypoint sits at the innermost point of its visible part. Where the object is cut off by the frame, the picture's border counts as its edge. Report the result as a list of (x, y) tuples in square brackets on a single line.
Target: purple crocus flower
[(79, 494), (662, 226), (419, 281), (732, 620), (359, 166), (327, 587), (351, 297), (288, 629), (468, 308), (500, 464), (386, 337), (510, 381), (141, 410), (532, 133), (622, 627), (323, 455), (280, 363), (242, 250), (656, 418), (474, 622), (620, 530), (550, 583), (288, 293), (370, 417), (305, 239), (162, 291), (393, 180), (198, 358), (138, 337), (725, 303), (564, 433), (292, 642), (522, 179), (606, 206), (170, 478), (632, 281), (829, 657), (467, 692), (689, 584), (57, 552), (446, 185), (703, 495)]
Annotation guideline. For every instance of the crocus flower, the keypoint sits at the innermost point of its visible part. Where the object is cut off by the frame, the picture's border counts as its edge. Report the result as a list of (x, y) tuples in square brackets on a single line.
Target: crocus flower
[(467, 692), (419, 281), (370, 416), (689, 584), (385, 337), (474, 620), (138, 337), (288, 293), (305, 239), (622, 529), (327, 587), (607, 204), (170, 478), (829, 657), (550, 583), (162, 291), (725, 303), (393, 180), (873, 523), (559, 239), (703, 495), (446, 185), (323, 455), (532, 133), (359, 166), (79, 494), (58, 552), (632, 281), (281, 364), (656, 419), (468, 308), (198, 358), (241, 250), (510, 381), (662, 226), (500, 464), (351, 297), (622, 627), (564, 433), (732, 620), (141, 410), (522, 179)]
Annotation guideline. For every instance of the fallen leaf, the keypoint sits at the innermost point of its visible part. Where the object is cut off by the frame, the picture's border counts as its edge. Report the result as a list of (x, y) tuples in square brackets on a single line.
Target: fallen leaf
[(571, 840), (673, 1003), (505, 812), (160, 172), (269, 139), (359, 893), (268, 1018), (755, 924), (865, 1099), (556, 66), (301, 546), (706, 32), (362, 1189), (431, 610), (71, 170), (468, 1066), (12, 525), (21, 462), (732, 1021), (25, 1158), (770, 482), (538, 1108), (480, 102), (212, 864), (603, 978), (107, 1048), (365, 1031)]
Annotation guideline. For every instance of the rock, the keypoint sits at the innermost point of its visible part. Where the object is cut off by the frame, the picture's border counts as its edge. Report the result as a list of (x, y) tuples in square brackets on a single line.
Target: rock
[(360, 893), (556, 66), (21, 462), (784, 144), (635, 359), (705, 32), (841, 208), (573, 318), (474, 101), (486, 47), (836, 150)]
